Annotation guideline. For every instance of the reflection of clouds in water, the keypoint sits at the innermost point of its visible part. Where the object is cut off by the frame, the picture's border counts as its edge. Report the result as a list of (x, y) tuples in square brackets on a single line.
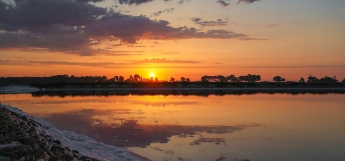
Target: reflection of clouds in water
[(163, 104), (220, 158), (169, 152), (217, 141), (131, 132)]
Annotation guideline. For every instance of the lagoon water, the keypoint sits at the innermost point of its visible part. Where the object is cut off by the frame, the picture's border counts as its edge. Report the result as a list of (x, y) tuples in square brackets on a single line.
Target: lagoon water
[(258, 127)]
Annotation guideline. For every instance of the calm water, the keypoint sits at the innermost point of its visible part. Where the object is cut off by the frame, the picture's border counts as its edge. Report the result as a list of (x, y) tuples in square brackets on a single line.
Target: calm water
[(258, 127)]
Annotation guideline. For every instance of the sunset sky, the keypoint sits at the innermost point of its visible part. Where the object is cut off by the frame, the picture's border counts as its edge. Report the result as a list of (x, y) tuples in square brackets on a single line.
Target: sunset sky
[(173, 38)]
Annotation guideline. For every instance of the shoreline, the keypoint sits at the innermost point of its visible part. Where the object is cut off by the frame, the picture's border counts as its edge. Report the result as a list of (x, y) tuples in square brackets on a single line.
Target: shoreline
[(28, 89), (26, 137), (197, 89)]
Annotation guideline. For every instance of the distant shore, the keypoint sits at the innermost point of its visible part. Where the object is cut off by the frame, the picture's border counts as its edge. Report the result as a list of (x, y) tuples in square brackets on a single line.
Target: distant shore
[(307, 88), (200, 89)]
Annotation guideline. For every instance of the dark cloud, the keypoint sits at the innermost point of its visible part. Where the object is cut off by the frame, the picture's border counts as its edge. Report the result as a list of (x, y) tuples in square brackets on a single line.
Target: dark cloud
[(40, 15), (247, 1), (136, 2), (219, 22), (70, 26), (163, 11), (201, 140), (86, 1), (222, 3), (78, 43)]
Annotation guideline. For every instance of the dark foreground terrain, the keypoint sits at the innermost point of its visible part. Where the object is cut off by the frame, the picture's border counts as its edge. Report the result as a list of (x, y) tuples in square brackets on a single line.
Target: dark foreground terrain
[(20, 140)]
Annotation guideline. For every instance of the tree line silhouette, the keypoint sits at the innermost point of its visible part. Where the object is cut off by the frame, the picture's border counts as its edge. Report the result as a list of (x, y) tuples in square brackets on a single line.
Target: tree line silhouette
[(257, 78), (231, 78), (250, 78)]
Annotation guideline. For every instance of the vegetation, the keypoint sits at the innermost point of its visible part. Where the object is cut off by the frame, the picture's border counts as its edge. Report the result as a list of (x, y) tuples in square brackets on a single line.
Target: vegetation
[(231, 78), (278, 79), (136, 81)]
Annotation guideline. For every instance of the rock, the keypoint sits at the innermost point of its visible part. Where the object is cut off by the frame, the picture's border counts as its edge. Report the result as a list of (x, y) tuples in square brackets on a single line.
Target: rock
[(3, 139), (55, 148), (3, 127), (37, 137), (57, 142), (11, 155), (32, 129), (84, 158), (25, 150), (32, 145), (54, 158), (68, 157), (75, 151), (39, 153), (3, 131), (12, 134), (68, 149), (23, 123), (49, 153), (16, 128), (2, 158)]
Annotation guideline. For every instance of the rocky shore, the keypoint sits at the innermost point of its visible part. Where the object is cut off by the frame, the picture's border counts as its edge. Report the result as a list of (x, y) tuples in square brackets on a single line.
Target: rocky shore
[(25, 138)]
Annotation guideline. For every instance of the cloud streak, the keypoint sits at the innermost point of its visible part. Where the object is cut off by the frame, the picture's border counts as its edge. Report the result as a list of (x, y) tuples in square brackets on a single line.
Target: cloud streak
[(219, 22), (96, 64), (247, 1), (166, 61), (135, 2), (223, 3), (163, 11)]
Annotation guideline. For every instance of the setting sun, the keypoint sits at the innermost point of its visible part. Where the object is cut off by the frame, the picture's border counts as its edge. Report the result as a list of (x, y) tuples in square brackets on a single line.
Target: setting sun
[(152, 74)]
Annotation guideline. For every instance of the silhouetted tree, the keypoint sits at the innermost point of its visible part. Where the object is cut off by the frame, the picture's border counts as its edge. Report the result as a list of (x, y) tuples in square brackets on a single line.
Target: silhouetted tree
[(136, 78), (343, 80), (301, 80), (121, 79), (278, 79), (183, 79), (327, 79), (312, 79), (188, 80), (104, 78), (250, 78), (232, 78), (218, 78), (172, 79), (209, 78), (221, 78), (204, 78)]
